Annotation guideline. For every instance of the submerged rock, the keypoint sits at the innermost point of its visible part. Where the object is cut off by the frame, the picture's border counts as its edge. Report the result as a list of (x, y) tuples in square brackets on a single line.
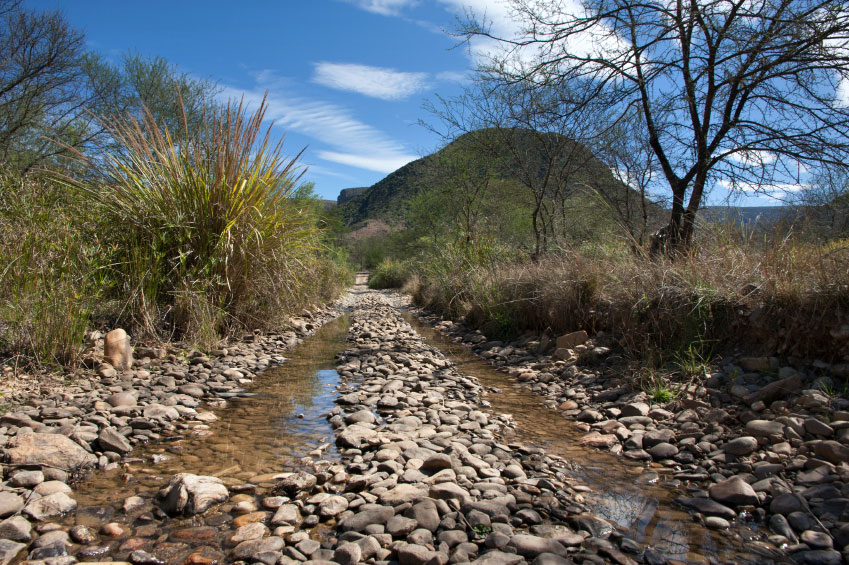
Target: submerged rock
[(192, 494)]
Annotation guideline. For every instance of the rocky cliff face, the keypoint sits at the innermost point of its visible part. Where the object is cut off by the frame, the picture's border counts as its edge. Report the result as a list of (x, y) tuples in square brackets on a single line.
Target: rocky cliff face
[(348, 193)]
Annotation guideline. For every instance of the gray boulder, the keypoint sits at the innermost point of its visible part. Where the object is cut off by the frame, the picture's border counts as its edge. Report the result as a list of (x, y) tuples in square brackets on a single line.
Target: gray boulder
[(192, 494)]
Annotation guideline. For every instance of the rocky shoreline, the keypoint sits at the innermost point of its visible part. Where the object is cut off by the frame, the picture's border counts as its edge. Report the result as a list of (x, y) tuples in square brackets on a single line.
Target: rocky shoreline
[(756, 438), (425, 477), (52, 436)]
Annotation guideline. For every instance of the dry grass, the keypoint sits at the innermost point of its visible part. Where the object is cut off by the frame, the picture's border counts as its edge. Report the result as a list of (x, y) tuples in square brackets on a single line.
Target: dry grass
[(780, 296)]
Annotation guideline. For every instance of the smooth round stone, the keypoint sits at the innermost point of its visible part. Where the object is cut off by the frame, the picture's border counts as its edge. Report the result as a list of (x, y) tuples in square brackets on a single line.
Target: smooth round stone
[(717, 523), (663, 450), (741, 446), (817, 540)]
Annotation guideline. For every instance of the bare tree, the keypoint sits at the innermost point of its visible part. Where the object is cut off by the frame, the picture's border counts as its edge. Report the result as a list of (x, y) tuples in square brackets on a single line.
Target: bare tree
[(457, 181), (39, 79), (825, 203), (55, 96), (634, 165), (520, 128), (739, 92)]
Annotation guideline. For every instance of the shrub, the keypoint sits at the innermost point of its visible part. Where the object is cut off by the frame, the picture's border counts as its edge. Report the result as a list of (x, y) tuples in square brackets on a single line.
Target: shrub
[(389, 274), (210, 237), (731, 289)]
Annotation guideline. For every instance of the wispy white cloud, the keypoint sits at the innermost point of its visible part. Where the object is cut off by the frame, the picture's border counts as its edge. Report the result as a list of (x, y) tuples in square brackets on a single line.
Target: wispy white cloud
[(378, 82), (773, 189), (382, 163), (843, 92), (384, 7), (454, 76), (753, 158), (353, 142)]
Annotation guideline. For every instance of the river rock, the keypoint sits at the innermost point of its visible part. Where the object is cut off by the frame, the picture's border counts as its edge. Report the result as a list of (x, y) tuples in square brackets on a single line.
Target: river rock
[(571, 340), (9, 550), (296, 483), (496, 557), (248, 550), (110, 440), (403, 493), (10, 503), (743, 445), (708, 507), (192, 494), (776, 390), (411, 554), (123, 399), (160, 412), (373, 515), (531, 546), (774, 431), (51, 506), (333, 506), (354, 436), (425, 514), (117, 351), (348, 554), (16, 528), (733, 491), (286, 514), (832, 451), (48, 450)]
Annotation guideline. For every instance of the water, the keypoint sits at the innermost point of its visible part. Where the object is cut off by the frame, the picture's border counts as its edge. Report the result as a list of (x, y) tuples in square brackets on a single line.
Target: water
[(257, 437), (253, 438), (624, 492)]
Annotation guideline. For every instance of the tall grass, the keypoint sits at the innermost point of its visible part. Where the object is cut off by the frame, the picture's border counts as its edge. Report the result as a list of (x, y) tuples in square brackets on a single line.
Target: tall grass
[(209, 237), (779, 295), (51, 271)]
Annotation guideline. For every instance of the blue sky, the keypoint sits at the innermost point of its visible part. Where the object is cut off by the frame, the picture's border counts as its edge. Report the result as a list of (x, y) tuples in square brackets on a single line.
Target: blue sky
[(346, 79)]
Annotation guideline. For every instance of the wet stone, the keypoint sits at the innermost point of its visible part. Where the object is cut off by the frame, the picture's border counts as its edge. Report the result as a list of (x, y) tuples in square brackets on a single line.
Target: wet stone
[(140, 557), (51, 506), (734, 491), (16, 528), (9, 550)]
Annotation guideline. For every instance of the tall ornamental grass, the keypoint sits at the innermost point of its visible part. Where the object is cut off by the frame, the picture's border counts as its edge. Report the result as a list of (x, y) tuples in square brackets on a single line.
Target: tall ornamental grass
[(209, 238)]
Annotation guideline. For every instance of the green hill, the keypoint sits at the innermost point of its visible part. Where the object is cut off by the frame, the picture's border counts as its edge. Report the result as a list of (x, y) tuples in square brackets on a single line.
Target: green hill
[(513, 159)]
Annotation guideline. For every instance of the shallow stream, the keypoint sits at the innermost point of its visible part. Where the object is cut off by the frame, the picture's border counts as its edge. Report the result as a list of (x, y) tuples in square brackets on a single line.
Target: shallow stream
[(283, 421), (631, 495)]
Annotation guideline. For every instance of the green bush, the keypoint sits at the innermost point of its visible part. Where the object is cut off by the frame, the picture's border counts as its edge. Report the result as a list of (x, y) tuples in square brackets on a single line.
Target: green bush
[(389, 274), (211, 236)]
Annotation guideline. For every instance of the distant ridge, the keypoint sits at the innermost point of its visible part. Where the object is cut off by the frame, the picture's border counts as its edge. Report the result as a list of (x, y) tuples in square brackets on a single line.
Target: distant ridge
[(747, 215), (348, 193)]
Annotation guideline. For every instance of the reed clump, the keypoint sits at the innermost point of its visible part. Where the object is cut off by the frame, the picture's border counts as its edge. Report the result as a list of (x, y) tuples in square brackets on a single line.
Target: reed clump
[(169, 234)]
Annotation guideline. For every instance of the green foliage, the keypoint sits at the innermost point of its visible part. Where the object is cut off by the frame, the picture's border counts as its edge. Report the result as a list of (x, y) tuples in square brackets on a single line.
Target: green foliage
[(53, 270), (482, 530), (656, 386), (211, 234), (660, 392), (389, 274), (692, 362)]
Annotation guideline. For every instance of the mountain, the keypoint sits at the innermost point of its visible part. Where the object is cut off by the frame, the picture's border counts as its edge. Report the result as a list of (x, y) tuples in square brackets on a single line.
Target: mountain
[(506, 156), (348, 193)]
